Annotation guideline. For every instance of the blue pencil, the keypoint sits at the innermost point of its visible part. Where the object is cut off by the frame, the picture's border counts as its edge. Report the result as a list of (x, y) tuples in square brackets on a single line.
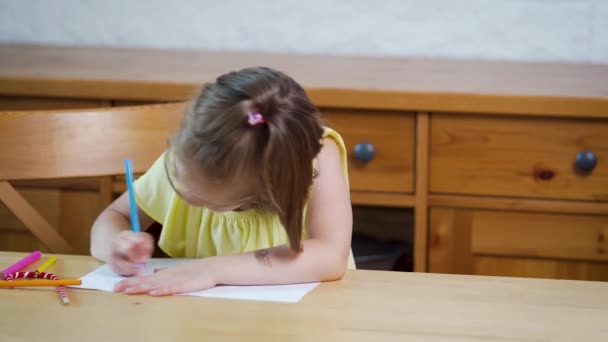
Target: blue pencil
[(131, 190)]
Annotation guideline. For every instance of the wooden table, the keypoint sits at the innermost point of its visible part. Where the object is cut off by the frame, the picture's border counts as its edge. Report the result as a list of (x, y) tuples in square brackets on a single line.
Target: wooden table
[(364, 306)]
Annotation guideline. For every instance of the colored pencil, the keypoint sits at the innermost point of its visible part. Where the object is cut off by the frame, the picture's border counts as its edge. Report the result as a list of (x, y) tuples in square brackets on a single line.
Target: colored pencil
[(131, 190), (41, 275), (48, 263), (39, 282), (60, 289), (21, 264)]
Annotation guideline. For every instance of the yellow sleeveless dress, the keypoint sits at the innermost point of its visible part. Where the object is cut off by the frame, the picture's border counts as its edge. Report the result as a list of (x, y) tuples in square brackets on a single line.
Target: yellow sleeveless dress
[(192, 232)]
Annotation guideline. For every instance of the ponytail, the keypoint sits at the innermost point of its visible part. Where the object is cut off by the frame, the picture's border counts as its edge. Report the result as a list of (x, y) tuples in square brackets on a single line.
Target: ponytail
[(293, 143)]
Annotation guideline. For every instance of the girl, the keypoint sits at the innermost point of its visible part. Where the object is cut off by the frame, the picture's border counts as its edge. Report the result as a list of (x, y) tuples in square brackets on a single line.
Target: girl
[(252, 184)]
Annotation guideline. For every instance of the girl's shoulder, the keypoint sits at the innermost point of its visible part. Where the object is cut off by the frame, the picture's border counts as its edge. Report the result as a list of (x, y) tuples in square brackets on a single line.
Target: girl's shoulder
[(331, 135)]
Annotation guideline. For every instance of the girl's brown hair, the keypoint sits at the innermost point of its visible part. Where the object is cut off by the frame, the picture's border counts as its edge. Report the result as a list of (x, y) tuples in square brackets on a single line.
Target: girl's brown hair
[(279, 153)]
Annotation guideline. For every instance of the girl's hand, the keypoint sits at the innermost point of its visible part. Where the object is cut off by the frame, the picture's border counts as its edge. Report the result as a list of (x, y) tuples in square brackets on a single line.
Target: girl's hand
[(129, 251), (190, 277)]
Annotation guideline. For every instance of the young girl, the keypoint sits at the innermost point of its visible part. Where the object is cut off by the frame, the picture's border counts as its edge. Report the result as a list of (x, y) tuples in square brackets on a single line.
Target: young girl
[(252, 184)]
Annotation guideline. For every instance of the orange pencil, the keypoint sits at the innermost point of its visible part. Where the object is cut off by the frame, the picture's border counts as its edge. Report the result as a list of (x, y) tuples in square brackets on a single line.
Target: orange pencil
[(39, 282)]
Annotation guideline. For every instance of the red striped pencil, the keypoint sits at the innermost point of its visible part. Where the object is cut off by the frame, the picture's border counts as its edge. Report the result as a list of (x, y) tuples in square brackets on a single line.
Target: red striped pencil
[(41, 275)]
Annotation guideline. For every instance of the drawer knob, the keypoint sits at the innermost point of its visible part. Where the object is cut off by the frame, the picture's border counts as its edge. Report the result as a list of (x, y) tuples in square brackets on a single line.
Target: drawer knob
[(364, 152), (586, 161)]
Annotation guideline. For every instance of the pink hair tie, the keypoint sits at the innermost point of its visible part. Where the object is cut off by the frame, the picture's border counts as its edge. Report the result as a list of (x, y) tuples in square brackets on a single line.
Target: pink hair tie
[(255, 119)]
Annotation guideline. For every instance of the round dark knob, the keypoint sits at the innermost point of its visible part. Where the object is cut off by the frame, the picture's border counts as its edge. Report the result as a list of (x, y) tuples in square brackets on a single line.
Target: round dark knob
[(364, 152), (586, 161)]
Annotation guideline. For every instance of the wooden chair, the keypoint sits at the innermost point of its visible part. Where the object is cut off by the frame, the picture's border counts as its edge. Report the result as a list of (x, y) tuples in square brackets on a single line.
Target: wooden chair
[(77, 143)]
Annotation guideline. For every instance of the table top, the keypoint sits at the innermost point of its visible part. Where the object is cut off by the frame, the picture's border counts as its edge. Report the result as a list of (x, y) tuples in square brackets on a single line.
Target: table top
[(364, 306), (421, 84)]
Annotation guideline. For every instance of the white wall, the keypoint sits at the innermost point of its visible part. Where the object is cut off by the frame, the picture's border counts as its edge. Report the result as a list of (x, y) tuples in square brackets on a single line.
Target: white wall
[(555, 30)]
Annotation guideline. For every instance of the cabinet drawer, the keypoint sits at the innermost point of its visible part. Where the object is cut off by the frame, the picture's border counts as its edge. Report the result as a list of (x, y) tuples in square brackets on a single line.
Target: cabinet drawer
[(392, 136), (489, 242), (574, 237), (519, 157)]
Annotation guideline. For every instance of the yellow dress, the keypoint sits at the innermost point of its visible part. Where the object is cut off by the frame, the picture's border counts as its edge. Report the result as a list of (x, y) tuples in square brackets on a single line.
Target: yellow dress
[(193, 232)]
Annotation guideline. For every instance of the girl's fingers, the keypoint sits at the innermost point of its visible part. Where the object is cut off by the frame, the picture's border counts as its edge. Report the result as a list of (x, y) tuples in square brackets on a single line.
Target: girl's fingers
[(130, 252), (138, 285), (139, 289), (125, 284), (123, 266), (142, 248), (163, 291)]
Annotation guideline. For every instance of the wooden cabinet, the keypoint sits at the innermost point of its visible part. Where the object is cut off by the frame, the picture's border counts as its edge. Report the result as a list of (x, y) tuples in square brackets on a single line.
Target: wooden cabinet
[(508, 197), (484, 152), (506, 243), (517, 156)]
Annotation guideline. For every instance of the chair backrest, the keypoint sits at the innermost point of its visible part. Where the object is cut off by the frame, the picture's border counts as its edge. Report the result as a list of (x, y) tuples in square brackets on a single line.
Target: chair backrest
[(84, 143), (77, 143)]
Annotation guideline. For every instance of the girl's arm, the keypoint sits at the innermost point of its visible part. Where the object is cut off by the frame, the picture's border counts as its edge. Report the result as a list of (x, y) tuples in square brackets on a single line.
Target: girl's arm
[(326, 250), (324, 257)]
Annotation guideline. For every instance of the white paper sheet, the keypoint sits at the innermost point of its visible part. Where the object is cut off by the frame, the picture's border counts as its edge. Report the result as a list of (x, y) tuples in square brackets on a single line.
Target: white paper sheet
[(104, 279)]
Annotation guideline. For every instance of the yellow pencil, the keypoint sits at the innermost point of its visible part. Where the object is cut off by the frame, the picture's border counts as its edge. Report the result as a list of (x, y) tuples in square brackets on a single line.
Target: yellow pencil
[(39, 282), (48, 263)]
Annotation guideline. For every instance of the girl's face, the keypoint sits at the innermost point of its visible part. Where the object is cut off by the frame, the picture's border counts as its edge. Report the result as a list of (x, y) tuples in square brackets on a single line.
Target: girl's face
[(198, 190)]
